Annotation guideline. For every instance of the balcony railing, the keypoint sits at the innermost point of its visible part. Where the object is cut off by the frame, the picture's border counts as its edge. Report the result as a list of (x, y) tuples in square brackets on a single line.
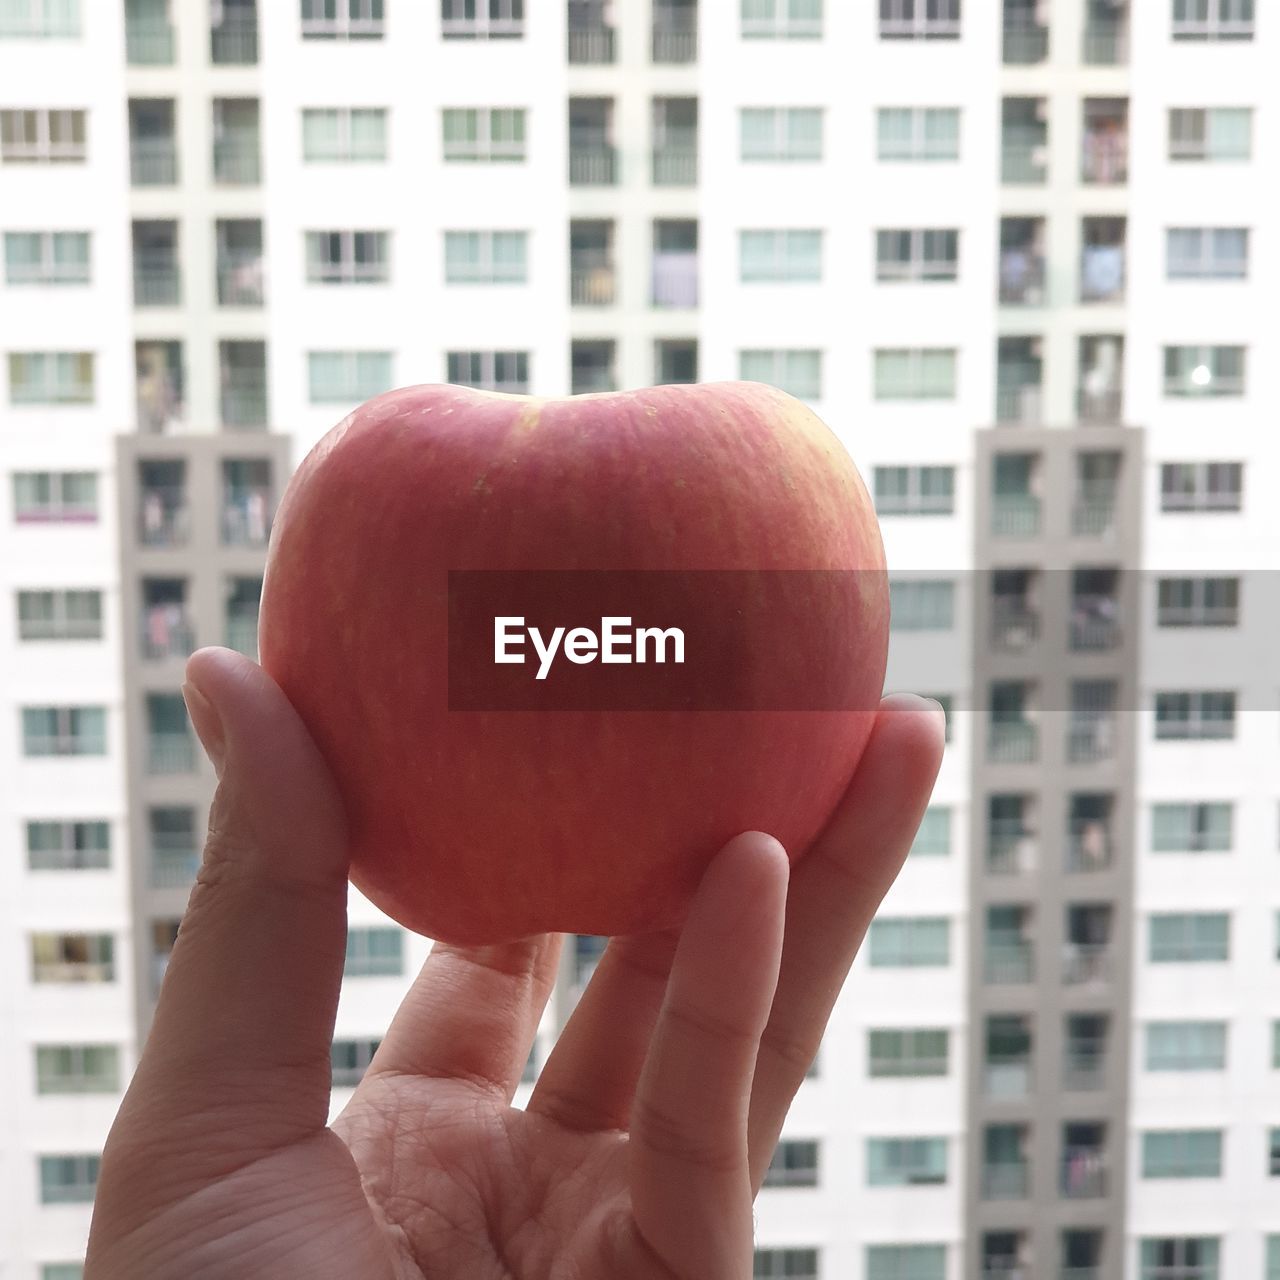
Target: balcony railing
[(1106, 44), (1089, 846), (675, 43), (235, 42), (1008, 962), (242, 635), (155, 284), (1014, 626), (1019, 403), (1021, 278), (1025, 44), (594, 165), (675, 166), (1102, 273), (1084, 1174), (589, 381), (1104, 158), (1080, 1273), (1012, 742), (1006, 1180), (240, 280), (675, 279), (1023, 161), (1015, 515), (592, 45), (246, 520), (244, 404), (153, 162), (236, 160), (1085, 962), (167, 632), (1011, 848), (1011, 1079), (1093, 517), (164, 518), (149, 44), (1089, 741), (174, 861), (1099, 406), (1084, 1068), (1091, 629), (591, 284), (170, 753)]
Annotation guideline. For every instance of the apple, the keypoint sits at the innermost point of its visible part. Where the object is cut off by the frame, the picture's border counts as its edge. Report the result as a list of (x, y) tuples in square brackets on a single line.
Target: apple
[(438, 527)]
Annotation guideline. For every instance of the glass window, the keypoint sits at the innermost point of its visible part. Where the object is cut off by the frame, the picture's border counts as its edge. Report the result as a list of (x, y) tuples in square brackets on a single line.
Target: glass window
[(77, 1068), (1207, 253), (797, 372), (1186, 1046), (1189, 937), (917, 255), (345, 376), (921, 606), (780, 256), (780, 133), (486, 257), (349, 1059), (64, 731), (915, 374), (1202, 827), (781, 19), (894, 1052), (374, 952), (1198, 714), (918, 133), (934, 834), (906, 1162), (46, 257), (1179, 1258), (1182, 1153), (785, 1264), (344, 134), (484, 133), (342, 19), (794, 1164), (59, 615), (906, 1262), (505, 371), (51, 377), (67, 846), (68, 1179), (910, 942)]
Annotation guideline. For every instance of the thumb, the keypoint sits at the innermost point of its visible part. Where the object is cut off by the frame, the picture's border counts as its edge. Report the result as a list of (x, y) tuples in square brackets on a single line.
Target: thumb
[(240, 1040)]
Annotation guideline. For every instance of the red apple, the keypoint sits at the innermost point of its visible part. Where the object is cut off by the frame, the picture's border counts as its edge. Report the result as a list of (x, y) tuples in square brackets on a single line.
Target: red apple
[(474, 822)]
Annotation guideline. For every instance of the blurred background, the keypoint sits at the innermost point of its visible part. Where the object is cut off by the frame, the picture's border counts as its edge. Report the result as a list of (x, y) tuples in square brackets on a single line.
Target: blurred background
[(1017, 254)]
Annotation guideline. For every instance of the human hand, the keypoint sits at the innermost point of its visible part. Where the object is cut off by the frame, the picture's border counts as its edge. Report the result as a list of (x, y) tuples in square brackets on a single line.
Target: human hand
[(646, 1136)]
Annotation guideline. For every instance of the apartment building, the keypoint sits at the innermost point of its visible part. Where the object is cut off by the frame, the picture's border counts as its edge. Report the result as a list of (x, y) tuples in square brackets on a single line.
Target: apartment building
[(1016, 254)]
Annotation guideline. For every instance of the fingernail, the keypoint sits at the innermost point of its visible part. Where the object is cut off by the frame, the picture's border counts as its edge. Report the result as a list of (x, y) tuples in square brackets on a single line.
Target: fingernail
[(940, 710), (207, 724)]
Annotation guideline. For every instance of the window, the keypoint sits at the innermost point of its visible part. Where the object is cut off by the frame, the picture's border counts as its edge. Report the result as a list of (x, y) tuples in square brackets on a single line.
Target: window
[(906, 1262), (906, 1162), (1201, 486), (1182, 1153), (486, 257), (46, 257), (64, 731), (1203, 714), (482, 19), (59, 615), (344, 134), (1273, 1154), (919, 19), (781, 133), (915, 491), (1207, 253), (933, 838), (343, 19), (1186, 1046), (1210, 133), (55, 496), (1204, 371), (912, 1052), (50, 377), (484, 133), (46, 136), (68, 846), (77, 1068), (1198, 602), (944, 701), (1190, 937), (347, 257), (797, 372), (39, 19), (68, 1179), (780, 256), (785, 1264), (72, 957), (1191, 828), (915, 373), (1275, 1045), (782, 19), (506, 371), (62, 1271), (918, 133), (794, 1164), (910, 942), (1212, 20), (339, 377), (917, 255), (1273, 1258), (374, 952), (921, 606), (1179, 1258), (349, 1059)]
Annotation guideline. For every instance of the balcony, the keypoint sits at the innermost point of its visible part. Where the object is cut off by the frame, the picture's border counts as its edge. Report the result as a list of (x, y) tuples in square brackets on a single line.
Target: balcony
[(675, 279), (1084, 1173), (246, 521), (676, 164), (1104, 159), (149, 42), (240, 280), (167, 631), (1012, 742), (1012, 849), (675, 33), (1025, 42), (155, 280), (1015, 515), (1024, 157), (242, 372), (1091, 740), (164, 519), (592, 45), (236, 160), (241, 634), (1102, 405), (1089, 845), (174, 859), (234, 42), (1019, 404), (1007, 1069), (592, 364), (170, 752), (1106, 41), (1093, 517), (1086, 963), (1022, 278), (153, 162), (592, 164), (1006, 1180), (1084, 1068), (1014, 624), (1095, 624), (1007, 962), (592, 282)]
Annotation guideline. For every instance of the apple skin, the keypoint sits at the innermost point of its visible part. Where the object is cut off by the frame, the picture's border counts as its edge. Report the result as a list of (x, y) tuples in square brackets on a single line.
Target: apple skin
[(477, 827)]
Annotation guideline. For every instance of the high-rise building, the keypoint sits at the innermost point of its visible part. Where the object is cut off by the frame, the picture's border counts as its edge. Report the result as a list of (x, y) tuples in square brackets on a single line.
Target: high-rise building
[(1017, 254)]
